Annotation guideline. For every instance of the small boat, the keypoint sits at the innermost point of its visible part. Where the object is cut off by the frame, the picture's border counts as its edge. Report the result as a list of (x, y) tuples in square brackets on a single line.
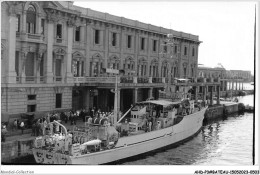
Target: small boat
[(152, 124), (249, 108)]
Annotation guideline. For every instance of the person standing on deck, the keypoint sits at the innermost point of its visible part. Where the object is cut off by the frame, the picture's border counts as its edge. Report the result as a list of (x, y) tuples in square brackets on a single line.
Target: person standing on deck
[(22, 126)]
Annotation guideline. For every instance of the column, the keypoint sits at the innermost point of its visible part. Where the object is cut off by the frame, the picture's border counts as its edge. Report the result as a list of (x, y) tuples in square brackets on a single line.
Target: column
[(122, 47), (136, 51), (236, 85), (211, 95), (218, 95), (160, 59), (242, 86), (135, 93), (196, 93), (107, 44), (150, 92), (204, 93), (88, 43), (38, 61), (11, 75), (149, 44), (50, 36), (69, 77)]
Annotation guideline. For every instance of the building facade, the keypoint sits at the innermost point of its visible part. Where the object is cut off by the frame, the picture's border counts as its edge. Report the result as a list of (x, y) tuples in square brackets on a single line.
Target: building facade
[(54, 56)]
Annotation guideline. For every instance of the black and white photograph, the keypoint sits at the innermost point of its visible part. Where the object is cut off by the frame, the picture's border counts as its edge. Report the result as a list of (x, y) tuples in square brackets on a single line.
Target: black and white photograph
[(138, 87)]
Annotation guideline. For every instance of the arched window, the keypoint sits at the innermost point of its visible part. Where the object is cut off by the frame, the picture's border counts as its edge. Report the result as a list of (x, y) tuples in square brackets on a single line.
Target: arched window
[(154, 68), (31, 19), (96, 65), (77, 64), (129, 66), (58, 63), (165, 69), (113, 63), (141, 68)]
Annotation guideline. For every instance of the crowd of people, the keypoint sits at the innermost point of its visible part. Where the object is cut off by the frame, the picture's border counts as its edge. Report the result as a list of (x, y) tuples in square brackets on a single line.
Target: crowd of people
[(42, 126)]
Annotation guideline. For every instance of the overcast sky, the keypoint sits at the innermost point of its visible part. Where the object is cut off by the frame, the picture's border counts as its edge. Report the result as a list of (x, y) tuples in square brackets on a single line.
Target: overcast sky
[(225, 28)]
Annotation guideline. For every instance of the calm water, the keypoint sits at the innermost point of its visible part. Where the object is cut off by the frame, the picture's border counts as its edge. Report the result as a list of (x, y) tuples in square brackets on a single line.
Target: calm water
[(220, 142)]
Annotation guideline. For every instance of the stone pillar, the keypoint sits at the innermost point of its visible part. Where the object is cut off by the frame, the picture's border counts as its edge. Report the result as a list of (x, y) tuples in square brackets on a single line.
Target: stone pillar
[(236, 85), (88, 45), (122, 45), (218, 95), (204, 93), (38, 61), (11, 74), (50, 36), (136, 51), (242, 86), (211, 95), (159, 73), (196, 94), (149, 44), (135, 93), (107, 44), (69, 77), (150, 92)]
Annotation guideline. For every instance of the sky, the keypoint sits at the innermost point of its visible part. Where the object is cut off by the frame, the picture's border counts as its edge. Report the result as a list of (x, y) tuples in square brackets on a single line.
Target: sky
[(226, 29)]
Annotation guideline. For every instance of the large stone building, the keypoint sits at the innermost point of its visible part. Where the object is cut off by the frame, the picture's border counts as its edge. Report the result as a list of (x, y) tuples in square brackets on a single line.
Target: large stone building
[(217, 72), (53, 56)]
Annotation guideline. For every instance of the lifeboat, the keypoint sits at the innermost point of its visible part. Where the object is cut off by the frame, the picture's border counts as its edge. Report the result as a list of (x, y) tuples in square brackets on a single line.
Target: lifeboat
[(100, 121)]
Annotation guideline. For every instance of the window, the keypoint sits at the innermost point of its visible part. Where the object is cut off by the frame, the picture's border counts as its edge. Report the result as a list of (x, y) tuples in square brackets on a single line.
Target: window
[(58, 67), (175, 49), (59, 31), (165, 46), (31, 108), (31, 97), (30, 19), (154, 45), (58, 100), (17, 63), (185, 50), (97, 36), (113, 39), (184, 71), (77, 34), (129, 41), (29, 64), (193, 52), (17, 23), (142, 43), (78, 68), (42, 26)]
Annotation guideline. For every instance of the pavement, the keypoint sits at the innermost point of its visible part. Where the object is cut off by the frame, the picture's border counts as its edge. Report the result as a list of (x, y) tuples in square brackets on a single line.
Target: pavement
[(16, 135)]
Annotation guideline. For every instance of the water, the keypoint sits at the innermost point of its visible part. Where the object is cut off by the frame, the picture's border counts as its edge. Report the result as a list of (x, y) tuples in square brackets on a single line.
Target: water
[(220, 142)]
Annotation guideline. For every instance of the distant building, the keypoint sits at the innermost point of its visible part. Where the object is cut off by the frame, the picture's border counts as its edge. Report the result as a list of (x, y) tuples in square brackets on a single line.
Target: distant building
[(54, 56)]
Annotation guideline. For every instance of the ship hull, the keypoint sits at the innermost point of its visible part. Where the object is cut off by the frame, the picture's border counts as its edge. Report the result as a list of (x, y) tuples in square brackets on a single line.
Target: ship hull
[(134, 145), (139, 144)]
